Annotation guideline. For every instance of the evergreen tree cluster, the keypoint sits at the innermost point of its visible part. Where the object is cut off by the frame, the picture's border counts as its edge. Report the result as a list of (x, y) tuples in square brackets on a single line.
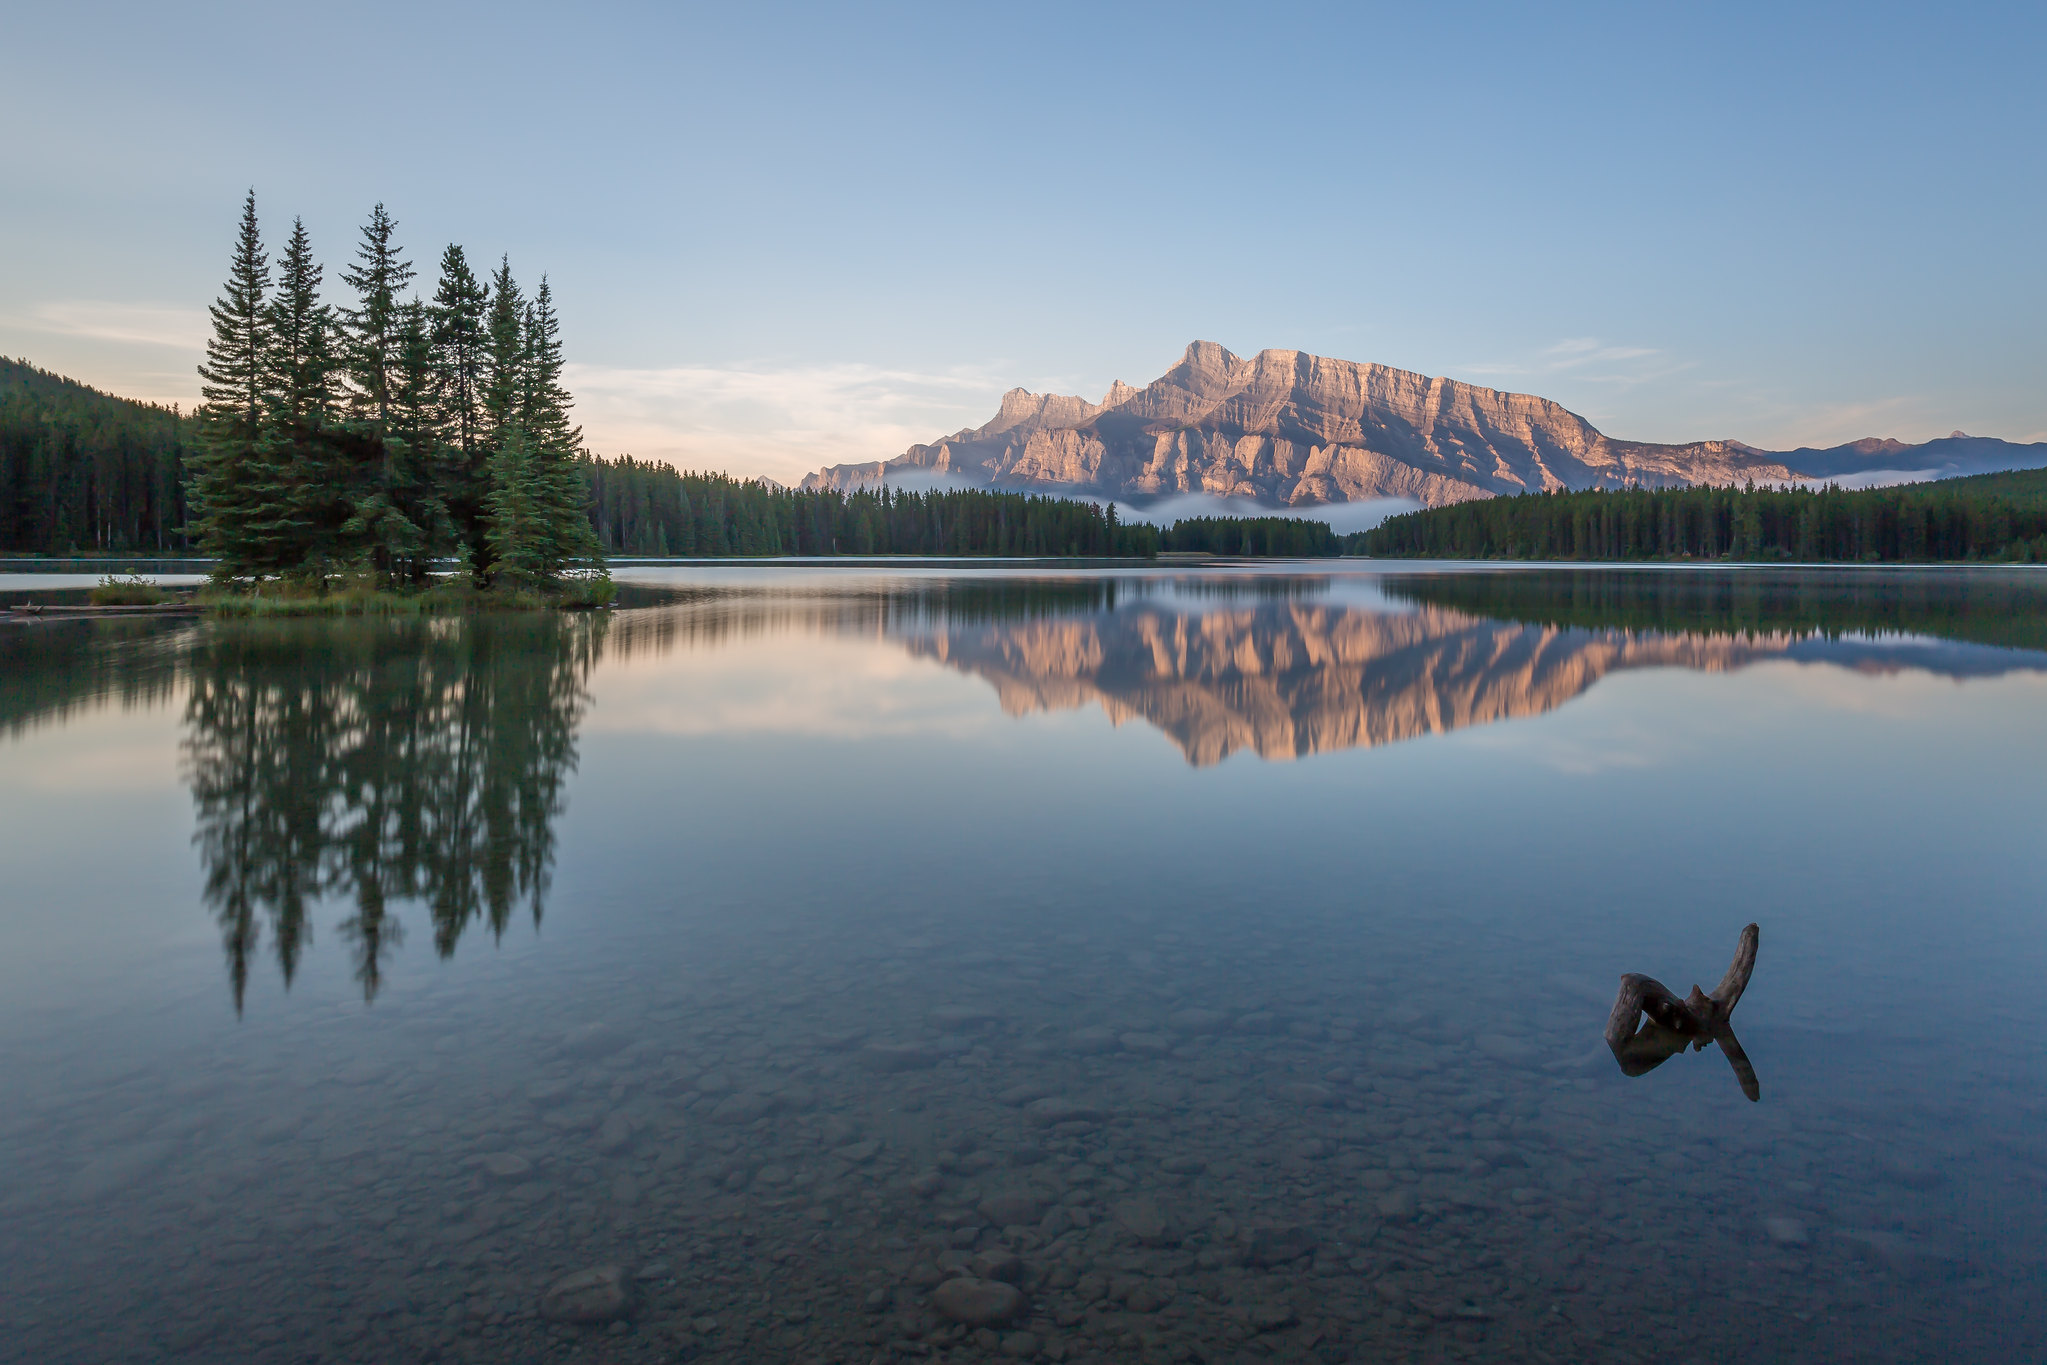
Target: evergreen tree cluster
[(82, 471), (388, 433), (644, 508), (1286, 537), (1999, 517)]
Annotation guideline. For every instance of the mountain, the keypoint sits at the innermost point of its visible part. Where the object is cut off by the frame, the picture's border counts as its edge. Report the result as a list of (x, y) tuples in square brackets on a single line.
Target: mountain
[(1285, 428)]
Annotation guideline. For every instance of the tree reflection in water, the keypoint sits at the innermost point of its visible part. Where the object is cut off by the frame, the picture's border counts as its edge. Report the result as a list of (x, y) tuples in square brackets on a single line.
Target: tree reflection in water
[(381, 761)]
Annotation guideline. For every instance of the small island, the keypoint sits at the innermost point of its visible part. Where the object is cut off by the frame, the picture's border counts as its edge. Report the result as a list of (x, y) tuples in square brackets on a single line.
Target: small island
[(345, 454)]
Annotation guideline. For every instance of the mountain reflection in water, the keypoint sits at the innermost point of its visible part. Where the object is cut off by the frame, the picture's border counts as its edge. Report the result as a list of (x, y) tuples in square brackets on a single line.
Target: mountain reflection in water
[(1284, 674)]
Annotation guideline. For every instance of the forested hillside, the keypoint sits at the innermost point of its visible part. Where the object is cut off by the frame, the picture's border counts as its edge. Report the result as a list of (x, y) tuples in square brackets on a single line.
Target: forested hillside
[(1999, 517), (81, 470), (644, 508), (1288, 537)]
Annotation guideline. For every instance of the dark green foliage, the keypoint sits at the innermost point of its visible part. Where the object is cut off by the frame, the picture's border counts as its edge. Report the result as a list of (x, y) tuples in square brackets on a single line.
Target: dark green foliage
[(302, 389), (553, 444), (639, 507), (398, 518), (1288, 537), (517, 531), (461, 357), (505, 353), (131, 591), (370, 443), (240, 493), (83, 471), (643, 508), (2007, 609), (375, 324), (1985, 517)]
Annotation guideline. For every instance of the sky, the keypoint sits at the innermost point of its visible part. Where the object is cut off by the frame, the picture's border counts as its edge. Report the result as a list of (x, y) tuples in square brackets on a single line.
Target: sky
[(786, 236)]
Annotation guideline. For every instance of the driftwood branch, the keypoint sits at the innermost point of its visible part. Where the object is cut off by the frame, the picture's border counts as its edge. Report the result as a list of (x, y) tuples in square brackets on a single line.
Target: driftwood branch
[(1674, 1024)]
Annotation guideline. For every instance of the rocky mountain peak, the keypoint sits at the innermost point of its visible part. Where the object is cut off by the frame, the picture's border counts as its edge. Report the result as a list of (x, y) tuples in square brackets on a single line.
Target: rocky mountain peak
[(1288, 427)]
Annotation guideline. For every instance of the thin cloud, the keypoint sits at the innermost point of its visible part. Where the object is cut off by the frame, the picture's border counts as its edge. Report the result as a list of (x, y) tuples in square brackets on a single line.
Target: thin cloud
[(1584, 350), (1585, 359), (134, 324), (784, 422)]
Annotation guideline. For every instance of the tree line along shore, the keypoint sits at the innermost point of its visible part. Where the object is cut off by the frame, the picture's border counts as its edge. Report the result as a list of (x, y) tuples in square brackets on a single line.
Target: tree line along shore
[(1995, 518)]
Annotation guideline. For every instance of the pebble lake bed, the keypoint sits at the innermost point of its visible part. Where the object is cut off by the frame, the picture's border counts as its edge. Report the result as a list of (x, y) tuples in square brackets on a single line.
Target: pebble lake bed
[(893, 964)]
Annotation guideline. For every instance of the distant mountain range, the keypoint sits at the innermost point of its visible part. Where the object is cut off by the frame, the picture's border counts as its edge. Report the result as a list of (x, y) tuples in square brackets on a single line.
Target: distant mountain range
[(1286, 428)]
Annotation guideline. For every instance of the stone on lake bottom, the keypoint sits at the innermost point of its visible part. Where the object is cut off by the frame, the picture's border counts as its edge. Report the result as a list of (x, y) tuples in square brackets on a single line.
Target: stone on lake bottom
[(591, 1296), (1057, 1109), (977, 1303), (1143, 1219), (1306, 1092), (997, 1264), (1088, 1041), (1279, 1244), (1787, 1231), (745, 1108), (504, 1165), (591, 1041), (1270, 1317), (898, 1056), (1009, 1207)]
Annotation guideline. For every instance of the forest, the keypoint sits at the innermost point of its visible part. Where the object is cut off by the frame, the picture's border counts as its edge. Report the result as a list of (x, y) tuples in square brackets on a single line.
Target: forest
[(83, 471), (1994, 517), (1287, 537), (643, 508)]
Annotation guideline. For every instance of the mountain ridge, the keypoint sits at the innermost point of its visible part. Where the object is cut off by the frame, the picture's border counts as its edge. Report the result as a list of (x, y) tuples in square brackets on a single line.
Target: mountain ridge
[(1290, 428)]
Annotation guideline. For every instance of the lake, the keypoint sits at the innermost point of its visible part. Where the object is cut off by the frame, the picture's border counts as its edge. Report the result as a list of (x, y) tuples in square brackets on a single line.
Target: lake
[(868, 962)]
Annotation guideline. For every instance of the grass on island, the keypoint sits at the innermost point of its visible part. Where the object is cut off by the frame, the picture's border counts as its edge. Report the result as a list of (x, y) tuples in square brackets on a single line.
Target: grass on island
[(360, 595), (132, 591)]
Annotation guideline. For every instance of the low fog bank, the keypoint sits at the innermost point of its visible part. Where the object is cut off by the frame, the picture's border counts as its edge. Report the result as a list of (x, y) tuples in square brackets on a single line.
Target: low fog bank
[(1342, 517), (1883, 478)]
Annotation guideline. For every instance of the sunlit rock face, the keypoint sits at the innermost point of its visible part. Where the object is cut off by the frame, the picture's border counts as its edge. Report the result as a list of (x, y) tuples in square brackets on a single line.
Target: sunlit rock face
[(1288, 679), (1289, 428), (1286, 427)]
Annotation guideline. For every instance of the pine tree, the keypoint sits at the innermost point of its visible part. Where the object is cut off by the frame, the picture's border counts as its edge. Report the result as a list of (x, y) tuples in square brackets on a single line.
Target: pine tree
[(461, 357), (304, 398), (420, 456), (555, 442), (517, 530), (378, 278), (229, 470), (379, 521), (506, 364)]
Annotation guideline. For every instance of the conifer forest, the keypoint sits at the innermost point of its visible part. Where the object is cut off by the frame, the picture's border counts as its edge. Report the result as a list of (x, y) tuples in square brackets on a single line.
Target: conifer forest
[(1999, 517)]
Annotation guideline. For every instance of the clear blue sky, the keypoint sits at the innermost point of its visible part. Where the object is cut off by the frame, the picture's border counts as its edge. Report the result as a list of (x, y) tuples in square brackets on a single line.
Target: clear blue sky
[(783, 236)]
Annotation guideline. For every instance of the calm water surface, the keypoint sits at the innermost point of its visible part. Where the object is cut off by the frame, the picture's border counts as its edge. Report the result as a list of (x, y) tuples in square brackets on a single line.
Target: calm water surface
[(1220, 955)]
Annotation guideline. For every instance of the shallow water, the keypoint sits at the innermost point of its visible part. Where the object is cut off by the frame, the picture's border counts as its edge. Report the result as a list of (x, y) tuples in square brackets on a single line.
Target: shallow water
[(1231, 946)]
